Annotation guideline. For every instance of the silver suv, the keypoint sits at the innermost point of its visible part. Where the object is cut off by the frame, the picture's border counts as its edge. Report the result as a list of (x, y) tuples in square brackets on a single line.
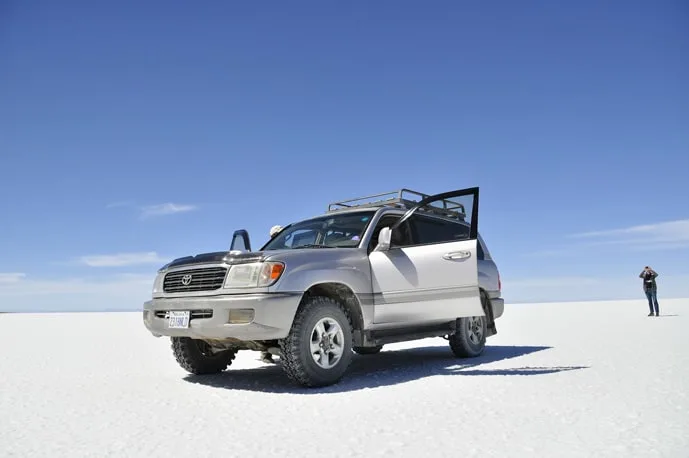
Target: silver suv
[(381, 269)]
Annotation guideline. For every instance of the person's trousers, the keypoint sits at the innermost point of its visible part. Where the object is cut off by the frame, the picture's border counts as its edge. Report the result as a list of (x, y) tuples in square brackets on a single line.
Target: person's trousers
[(652, 297)]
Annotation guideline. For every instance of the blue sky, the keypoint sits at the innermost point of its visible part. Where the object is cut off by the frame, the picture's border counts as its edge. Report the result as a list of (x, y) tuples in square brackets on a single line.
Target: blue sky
[(135, 132)]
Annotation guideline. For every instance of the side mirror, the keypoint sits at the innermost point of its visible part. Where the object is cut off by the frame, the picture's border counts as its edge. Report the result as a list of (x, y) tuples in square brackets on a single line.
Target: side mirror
[(240, 241), (384, 238)]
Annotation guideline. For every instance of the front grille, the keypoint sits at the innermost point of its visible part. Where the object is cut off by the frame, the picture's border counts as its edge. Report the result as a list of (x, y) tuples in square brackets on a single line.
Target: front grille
[(193, 315), (207, 279)]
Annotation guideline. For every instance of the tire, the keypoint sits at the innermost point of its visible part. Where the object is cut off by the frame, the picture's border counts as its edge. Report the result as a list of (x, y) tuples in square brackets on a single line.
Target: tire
[(368, 350), (195, 356), (469, 340), (320, 321)]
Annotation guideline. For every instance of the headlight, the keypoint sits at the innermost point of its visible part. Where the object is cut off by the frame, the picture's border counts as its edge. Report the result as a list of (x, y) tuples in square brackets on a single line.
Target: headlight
[(158, 283), (253, 275)]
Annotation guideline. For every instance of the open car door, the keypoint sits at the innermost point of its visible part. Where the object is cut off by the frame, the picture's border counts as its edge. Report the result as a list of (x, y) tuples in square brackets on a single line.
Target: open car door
[(425, 269), (240, 241)]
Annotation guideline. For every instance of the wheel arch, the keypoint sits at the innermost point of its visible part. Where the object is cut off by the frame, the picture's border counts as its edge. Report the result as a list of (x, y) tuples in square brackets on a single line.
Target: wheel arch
[(341, 293)]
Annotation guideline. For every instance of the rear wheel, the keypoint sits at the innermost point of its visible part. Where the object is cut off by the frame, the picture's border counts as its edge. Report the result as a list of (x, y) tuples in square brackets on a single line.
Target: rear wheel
[(197, 357), (469, 339), (318, 349)]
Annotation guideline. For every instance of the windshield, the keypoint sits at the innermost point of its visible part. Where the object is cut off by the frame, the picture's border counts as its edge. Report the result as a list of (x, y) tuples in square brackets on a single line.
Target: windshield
[(331, 231)]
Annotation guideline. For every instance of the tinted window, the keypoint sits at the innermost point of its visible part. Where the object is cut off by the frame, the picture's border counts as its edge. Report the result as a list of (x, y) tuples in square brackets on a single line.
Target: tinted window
[(433, 230)]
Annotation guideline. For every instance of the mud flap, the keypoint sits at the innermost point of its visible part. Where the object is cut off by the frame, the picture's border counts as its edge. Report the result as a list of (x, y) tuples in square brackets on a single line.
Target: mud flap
[(491, 329)]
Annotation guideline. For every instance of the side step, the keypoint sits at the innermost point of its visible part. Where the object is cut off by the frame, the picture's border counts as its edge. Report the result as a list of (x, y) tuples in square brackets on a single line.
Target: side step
[(388, 336), (396, 335)]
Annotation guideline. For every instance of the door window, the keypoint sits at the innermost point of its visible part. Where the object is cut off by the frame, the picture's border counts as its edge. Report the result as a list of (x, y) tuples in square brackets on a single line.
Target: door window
[(429, 230), (401, 236)]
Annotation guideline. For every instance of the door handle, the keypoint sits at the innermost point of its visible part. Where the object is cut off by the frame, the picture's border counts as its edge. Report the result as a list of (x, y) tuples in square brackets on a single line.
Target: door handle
[(457, 255)]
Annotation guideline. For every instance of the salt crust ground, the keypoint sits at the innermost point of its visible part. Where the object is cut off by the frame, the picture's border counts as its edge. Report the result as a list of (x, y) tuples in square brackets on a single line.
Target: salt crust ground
[(559, 380)]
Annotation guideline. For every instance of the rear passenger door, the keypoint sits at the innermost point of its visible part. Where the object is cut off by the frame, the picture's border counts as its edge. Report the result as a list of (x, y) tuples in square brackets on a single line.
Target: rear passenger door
[(432, 276)]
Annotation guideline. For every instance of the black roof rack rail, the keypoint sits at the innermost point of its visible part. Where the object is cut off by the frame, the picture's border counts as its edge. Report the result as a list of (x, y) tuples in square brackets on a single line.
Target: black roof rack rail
[(404, 199)]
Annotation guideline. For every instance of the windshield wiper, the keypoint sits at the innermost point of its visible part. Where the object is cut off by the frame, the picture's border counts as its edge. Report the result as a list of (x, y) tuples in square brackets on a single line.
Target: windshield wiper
[(313, 245)]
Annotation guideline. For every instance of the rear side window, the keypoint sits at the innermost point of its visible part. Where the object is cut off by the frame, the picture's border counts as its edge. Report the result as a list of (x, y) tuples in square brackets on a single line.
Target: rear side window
[(433, 230)]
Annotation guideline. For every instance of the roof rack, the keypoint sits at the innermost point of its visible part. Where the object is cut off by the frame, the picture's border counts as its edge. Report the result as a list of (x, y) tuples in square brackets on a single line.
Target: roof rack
[(398, 199)]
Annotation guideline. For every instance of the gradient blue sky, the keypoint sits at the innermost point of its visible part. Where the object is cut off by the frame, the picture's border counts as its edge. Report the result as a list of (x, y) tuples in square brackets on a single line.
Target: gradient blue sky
[(135, 132)]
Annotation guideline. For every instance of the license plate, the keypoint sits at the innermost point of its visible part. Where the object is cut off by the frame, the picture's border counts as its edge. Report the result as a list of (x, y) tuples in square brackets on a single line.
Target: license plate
[(178, 320)]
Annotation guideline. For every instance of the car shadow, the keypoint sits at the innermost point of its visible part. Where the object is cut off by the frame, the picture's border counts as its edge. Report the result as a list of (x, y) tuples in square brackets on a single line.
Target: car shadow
[(384, 369)]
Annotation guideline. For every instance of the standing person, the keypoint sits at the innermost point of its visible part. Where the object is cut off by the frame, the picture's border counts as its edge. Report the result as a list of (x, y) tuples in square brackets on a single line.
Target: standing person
[(266, 356), (650, 288)]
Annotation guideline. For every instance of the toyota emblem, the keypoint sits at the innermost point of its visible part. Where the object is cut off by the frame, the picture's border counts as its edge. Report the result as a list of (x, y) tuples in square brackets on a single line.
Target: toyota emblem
[(186, 279)]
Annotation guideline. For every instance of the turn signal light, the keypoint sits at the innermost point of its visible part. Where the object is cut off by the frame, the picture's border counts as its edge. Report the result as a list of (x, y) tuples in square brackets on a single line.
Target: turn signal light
[(276, 271)]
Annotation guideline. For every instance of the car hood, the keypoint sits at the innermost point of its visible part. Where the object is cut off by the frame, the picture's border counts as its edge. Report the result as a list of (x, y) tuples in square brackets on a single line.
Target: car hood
[(216, 257), (229, 257)]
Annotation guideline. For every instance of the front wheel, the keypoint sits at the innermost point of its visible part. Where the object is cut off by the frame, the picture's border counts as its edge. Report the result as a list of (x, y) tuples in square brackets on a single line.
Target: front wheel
[(197, 357), (318, 348)]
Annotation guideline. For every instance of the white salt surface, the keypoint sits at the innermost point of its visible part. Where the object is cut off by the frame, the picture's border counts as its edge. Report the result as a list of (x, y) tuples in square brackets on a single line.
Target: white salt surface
[(559, 380)]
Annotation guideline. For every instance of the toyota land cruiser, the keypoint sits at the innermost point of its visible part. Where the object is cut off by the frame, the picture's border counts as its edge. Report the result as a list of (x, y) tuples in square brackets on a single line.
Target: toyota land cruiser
[(371, 271)]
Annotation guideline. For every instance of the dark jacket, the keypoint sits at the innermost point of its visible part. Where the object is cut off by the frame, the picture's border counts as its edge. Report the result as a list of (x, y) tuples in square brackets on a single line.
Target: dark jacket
[(649, 278)]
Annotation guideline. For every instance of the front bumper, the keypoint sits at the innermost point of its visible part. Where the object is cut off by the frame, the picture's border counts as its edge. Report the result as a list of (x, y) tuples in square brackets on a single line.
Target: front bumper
[(273, 316)]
